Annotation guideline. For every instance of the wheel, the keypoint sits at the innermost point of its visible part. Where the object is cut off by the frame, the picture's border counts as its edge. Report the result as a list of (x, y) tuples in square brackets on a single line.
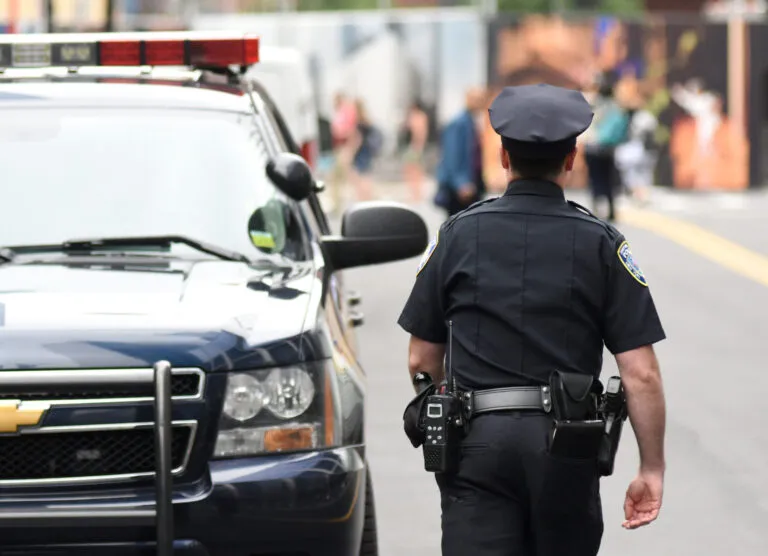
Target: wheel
[(369, 546)]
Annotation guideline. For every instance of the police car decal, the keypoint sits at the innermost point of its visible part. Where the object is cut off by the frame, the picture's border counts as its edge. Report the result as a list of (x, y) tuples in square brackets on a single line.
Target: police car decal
[(625, 256), (427, 254), (263, 240)]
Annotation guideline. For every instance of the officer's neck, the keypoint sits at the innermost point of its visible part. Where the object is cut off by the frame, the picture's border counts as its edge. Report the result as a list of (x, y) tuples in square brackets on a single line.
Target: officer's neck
[(561, 179)]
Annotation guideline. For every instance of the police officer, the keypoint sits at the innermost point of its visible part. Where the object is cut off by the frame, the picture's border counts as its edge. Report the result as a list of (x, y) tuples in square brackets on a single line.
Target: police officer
[(534, 283)]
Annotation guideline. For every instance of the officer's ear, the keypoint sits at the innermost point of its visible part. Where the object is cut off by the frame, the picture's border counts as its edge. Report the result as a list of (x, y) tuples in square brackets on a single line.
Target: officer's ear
[(570, 160), (504, 158)]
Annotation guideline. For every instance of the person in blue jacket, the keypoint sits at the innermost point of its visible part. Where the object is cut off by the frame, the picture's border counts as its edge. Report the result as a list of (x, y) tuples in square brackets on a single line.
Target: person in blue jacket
[(459, 172), (610, 129)]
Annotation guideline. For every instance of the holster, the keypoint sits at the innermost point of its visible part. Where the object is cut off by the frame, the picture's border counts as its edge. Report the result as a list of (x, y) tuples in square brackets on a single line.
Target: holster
[(614, 414), (413, 417), (574, 396), (606, 457)]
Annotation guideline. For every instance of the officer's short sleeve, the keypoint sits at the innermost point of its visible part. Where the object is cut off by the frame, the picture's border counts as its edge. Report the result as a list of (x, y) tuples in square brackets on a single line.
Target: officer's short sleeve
[(631, 320), (424, 313)]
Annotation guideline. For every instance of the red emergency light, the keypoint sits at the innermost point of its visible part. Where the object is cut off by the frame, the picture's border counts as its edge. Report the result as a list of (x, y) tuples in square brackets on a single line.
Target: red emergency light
[(128, 49)]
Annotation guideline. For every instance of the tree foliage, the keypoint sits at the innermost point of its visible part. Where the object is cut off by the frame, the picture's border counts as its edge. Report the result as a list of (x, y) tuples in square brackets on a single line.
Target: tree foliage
[(618, 7)]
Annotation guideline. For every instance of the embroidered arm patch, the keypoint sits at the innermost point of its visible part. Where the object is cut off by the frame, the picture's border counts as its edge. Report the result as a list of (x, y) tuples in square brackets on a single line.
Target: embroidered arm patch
[(625, 256)]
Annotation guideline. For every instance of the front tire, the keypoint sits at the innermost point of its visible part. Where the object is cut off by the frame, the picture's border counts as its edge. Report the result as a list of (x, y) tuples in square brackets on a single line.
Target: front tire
[(369, 546)]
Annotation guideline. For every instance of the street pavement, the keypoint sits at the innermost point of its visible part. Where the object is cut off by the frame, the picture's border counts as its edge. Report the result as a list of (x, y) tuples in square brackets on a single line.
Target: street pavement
[(716, 380)]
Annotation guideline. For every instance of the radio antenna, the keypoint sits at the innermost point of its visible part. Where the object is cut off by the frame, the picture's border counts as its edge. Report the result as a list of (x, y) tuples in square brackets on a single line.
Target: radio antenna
[(449, 376)]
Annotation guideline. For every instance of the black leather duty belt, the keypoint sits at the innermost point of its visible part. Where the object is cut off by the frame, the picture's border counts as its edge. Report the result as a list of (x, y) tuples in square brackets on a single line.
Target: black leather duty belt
[(508, 399)]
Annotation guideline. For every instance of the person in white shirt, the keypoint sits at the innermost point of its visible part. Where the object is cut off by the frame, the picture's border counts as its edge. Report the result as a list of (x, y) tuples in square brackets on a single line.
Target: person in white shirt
[(703, 107), (636, 159)]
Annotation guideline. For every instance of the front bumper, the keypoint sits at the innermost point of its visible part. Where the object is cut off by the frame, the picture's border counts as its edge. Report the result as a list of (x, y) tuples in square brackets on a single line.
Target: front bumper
[(280, 505)]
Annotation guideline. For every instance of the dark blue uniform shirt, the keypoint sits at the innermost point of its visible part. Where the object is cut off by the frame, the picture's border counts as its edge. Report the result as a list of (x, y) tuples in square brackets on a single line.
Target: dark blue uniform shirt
[(532, 283)]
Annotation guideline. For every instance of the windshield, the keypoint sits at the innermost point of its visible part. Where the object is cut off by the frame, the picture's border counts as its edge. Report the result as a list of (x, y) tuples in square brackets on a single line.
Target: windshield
[(94, 173)]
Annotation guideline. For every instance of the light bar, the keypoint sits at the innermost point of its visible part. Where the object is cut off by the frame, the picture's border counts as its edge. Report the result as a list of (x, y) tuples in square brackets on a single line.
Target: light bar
[(128, 49)]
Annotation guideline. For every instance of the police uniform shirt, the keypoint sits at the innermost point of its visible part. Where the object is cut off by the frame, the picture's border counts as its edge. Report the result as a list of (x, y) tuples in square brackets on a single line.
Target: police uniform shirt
[(531, 282)]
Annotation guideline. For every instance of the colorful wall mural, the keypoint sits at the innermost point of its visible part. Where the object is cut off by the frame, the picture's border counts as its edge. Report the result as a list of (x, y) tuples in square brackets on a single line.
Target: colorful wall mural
[(676, 70)]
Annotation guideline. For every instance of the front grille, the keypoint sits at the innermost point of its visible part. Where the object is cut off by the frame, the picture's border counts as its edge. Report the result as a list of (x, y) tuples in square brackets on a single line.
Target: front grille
[(77, 454), (186, 385)]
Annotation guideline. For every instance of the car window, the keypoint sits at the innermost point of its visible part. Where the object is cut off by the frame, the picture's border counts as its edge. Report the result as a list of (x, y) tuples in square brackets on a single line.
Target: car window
[(316, 212), (94, 172)]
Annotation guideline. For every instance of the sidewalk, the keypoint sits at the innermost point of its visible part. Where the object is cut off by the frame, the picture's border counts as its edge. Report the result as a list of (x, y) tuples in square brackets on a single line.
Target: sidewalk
[(663, 199)]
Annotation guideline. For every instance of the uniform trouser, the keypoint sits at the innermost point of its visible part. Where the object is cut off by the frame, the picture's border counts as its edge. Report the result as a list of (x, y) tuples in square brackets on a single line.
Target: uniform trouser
[(602, 179), (456, 205), (511, 498)]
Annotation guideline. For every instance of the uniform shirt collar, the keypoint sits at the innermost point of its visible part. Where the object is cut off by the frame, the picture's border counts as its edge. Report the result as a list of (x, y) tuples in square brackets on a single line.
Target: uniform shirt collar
[(541, 188)]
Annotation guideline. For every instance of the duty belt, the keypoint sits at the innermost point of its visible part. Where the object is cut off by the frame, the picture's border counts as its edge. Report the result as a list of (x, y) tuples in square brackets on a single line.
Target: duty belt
[(507, 399)]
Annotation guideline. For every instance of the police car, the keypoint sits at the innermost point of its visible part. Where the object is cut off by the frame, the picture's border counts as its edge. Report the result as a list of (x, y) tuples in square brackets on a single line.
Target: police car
[(177, 369)]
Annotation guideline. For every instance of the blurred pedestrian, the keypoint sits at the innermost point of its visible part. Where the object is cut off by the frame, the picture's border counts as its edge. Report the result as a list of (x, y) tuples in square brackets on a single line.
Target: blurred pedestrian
[(416, 130), (366, 144), (636, 159), (703, 106), (343, 130), (459, 172), (608, 131)]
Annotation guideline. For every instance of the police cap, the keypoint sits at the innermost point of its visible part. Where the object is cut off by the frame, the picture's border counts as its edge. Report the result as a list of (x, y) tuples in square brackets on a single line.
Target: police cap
[(540, 121)]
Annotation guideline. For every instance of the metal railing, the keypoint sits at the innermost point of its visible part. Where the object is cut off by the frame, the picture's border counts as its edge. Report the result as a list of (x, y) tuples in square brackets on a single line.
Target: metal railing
[(163, 468)]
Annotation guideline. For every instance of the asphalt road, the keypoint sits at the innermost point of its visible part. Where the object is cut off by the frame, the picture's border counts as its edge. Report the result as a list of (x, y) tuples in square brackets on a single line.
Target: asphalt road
[(716, 378)]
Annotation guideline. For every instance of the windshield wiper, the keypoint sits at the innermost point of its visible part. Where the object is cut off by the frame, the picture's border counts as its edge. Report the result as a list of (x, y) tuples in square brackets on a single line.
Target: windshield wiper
[(109, 243)]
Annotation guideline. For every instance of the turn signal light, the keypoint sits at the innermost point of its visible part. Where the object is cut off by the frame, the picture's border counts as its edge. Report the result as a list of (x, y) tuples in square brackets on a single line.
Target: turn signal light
[(290, 439)]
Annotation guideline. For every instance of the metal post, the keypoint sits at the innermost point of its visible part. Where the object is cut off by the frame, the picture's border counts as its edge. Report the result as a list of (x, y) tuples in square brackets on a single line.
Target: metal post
[(110, 26), (163, 476), (49, 16)]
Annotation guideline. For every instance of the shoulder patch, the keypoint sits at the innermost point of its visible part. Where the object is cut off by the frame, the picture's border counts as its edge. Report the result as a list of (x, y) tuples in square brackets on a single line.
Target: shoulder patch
[(428, 253), (626, 258)]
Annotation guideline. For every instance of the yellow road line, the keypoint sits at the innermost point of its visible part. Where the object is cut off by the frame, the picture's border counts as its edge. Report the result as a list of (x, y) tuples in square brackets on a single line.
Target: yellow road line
[(711, 246)]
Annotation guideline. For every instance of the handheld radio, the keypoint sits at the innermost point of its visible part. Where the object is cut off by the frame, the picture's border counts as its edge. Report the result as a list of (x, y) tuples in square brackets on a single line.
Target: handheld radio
[(443, 421)]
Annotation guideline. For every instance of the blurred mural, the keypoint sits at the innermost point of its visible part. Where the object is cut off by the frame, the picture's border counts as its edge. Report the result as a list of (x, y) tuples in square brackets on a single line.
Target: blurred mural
[(678, 69)]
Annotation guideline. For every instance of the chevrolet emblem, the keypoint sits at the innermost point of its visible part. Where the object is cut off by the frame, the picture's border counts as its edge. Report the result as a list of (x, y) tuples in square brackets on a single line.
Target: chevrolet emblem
[(16, 413)]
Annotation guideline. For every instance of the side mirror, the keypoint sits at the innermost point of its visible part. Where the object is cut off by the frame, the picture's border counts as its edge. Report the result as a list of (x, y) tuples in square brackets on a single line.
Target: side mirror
[(376, 232), (291, 174)]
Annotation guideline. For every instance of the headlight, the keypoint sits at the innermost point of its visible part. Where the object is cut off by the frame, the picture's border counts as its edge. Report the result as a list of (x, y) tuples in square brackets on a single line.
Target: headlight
[(278, 410), (290, 392), (244, 397)]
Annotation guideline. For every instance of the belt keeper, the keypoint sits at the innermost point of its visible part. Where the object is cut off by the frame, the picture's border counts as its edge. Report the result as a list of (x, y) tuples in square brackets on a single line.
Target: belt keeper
[(546, 399), (469, 405)]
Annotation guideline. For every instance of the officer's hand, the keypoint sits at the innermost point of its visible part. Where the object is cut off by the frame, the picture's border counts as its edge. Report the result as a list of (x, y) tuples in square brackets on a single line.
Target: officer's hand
[(643, 501), (467, 192)]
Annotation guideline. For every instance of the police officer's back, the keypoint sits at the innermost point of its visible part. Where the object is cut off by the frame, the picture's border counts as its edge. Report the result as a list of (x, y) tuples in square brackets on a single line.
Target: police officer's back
[(532, 285)]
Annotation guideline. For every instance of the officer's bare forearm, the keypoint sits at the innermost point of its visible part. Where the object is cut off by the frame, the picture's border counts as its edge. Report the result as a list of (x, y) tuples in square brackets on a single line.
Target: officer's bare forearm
[(641, 377), (426, 357)]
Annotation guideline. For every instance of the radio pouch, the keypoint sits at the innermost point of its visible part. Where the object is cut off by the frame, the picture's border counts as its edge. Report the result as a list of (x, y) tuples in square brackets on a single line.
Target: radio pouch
[(574, 396), (413, 417)]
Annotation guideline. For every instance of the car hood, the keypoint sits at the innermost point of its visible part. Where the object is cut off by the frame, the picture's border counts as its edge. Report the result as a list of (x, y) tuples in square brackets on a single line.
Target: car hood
[(192, 313)]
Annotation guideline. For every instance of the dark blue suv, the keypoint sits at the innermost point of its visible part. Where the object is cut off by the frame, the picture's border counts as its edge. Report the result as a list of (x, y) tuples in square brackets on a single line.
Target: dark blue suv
[(177, 363)]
